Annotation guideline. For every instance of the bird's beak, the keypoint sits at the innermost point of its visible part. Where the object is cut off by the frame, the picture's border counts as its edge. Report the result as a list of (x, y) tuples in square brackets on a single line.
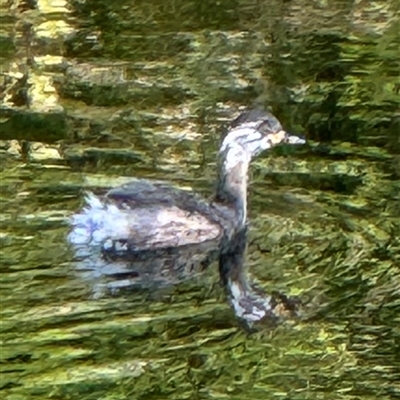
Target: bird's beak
[(293, 139)]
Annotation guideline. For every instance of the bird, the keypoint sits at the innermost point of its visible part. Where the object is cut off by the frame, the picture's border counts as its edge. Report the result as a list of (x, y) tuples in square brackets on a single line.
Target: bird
[(144, 215)]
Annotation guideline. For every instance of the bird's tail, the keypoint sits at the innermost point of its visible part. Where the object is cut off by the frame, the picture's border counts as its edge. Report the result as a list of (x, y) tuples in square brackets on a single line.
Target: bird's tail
[(97, 222)]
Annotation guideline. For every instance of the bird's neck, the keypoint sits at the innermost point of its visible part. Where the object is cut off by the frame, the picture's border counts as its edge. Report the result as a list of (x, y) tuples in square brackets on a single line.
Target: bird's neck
[(232, 180)]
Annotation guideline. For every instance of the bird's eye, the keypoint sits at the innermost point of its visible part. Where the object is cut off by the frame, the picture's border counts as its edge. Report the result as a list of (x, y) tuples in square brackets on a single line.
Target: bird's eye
[(265, 127)]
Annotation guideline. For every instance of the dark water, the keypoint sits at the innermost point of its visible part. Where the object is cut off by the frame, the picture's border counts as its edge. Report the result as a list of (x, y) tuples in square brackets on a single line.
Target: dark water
[(146, 92)]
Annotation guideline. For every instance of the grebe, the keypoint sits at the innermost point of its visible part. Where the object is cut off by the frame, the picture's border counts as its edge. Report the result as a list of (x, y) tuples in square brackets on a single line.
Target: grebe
[(149, 216)]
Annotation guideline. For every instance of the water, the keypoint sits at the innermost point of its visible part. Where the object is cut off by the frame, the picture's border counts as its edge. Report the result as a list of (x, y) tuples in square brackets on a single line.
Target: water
[(324, 219)]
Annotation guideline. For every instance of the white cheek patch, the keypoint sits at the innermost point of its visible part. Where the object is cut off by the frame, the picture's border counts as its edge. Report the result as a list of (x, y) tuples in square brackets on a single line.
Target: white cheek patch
[(265, 143), (253, 143), (245, 134)]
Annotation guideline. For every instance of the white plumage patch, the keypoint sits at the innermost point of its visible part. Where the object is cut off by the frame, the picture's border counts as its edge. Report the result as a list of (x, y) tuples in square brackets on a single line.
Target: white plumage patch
[(98, 222), (245, 133), (144, 227)]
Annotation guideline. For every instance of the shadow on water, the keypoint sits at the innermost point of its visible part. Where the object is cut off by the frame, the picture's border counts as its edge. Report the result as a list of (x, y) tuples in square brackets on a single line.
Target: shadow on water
[(324, 220)]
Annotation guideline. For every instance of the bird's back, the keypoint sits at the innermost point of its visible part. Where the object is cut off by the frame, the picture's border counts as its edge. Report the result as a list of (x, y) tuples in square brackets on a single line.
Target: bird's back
[(144, 215)]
